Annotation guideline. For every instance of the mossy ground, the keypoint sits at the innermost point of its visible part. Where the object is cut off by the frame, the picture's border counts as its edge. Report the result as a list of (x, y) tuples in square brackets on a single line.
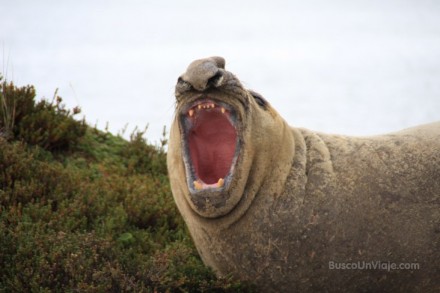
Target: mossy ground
[(83, 210)]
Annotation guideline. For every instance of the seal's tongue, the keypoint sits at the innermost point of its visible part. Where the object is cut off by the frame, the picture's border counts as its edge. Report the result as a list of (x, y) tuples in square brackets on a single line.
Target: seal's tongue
[(212, 141)]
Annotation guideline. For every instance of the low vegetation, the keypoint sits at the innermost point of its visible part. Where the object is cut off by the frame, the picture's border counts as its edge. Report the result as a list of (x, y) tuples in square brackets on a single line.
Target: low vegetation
[(83, 210)]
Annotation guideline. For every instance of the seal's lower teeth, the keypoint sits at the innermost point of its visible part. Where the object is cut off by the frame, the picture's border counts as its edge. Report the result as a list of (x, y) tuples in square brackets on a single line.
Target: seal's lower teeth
[(197, 185)]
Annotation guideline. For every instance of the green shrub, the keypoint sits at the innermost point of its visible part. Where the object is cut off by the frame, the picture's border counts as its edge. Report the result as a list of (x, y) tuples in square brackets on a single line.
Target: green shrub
[(15, 103), (99, 218), (24, 178), (48, 125), (140, 157), (64, 229)]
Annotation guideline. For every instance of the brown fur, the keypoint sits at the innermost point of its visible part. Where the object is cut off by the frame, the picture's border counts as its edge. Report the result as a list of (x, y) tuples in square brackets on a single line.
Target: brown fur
[(301, 199)]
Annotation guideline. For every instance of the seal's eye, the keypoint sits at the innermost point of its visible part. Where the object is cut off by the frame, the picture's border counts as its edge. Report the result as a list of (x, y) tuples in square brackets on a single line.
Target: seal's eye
[(259, 99)]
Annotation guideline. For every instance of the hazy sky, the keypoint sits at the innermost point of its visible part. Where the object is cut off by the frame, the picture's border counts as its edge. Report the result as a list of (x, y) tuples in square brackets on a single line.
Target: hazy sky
[(352, 67)]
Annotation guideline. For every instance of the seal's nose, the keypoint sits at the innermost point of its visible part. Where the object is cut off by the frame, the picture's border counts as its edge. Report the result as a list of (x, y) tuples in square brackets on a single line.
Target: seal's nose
[(204, 73)]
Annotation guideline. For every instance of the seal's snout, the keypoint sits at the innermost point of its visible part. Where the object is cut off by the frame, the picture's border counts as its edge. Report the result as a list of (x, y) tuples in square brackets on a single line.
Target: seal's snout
[(202, 74)]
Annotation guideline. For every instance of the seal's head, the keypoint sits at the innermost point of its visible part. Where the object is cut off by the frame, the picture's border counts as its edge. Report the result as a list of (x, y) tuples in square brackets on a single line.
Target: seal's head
[(221, 134)]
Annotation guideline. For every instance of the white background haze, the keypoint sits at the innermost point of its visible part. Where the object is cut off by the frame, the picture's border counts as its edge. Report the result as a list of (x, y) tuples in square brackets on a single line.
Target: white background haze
[(349, 67)]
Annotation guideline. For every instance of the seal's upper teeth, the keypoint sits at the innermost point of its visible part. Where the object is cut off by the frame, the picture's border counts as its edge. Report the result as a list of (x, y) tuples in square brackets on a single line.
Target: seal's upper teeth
[(206, 106), (223, 110), (191, 112), (197, 185), (220, 182)]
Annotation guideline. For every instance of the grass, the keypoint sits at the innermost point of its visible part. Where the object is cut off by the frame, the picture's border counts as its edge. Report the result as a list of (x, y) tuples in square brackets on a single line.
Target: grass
[(83, 210)]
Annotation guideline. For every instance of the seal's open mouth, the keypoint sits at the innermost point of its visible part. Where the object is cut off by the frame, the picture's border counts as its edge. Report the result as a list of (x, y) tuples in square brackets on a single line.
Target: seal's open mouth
[(211, 144)]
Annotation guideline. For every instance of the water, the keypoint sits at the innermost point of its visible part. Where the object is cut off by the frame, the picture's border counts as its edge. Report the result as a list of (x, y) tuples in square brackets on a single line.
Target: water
[(350, 67)]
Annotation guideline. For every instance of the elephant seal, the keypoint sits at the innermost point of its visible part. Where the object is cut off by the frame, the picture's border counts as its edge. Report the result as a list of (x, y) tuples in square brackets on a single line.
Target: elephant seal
[(293, 210)]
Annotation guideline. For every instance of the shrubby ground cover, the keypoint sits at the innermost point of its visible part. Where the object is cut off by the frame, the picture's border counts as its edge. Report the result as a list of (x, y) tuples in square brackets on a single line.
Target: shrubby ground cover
[(82, 210)]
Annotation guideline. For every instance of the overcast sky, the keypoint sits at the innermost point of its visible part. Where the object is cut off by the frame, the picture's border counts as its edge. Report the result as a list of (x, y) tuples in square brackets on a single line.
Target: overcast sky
[(350, 67)]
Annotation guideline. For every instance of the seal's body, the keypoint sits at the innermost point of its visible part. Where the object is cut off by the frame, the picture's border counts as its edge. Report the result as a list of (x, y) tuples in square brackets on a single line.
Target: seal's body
[(294, 210)]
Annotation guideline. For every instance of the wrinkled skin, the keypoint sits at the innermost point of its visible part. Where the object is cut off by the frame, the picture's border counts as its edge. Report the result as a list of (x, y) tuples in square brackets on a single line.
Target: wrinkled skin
[(298, 199)]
